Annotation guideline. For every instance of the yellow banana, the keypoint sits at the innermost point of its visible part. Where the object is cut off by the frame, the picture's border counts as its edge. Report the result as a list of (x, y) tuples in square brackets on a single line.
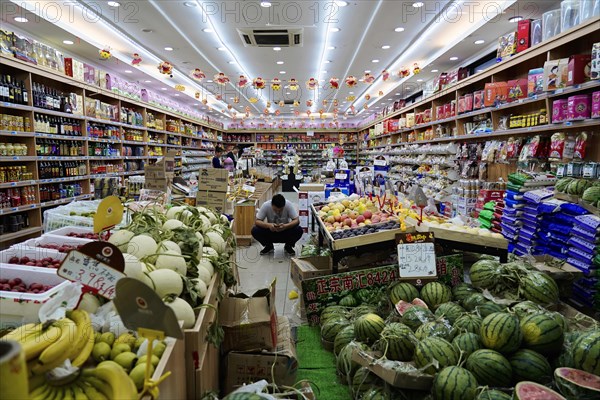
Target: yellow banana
[(88, 346), (99, 386), (67, 392), (36, 381), (78, 392), (58, 393), (90, 391), (40, 392), (20, 333), (59, 350), (122, 386), (81, 318), (37, 343)]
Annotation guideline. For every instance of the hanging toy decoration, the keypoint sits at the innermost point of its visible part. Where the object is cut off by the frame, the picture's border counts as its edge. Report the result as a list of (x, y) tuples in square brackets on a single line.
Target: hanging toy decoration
[(293, 84), (137, 59), (236, 100), (334, 83), (366, 106), (221, 79), (416, 69), (351, 81), (309, 103), (276, 84), (350, 98), (325, 102), (166, 68), (180, 88), (380, 93), (367, 97), (281, 103), (266, 111), (296, 103), (253, 100), (336, 110), (197, 95), (204, 101), (197, 74), (229, 106), (268, 104), (353, 109), (105, 53), (336, 102), (404, 72), (247, 109), (242, 81), (312, 84), (368, 78), (385, 75), (277, 112), (219, 97), (296, 113), (258, 83)]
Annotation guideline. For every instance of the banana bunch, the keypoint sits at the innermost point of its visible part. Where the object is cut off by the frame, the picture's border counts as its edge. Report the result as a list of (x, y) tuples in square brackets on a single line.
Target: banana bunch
[(108, 381)]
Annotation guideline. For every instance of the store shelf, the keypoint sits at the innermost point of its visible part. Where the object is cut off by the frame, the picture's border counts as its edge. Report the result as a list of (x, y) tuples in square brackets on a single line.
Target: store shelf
[(134, 142), (7, 237), (57, 113), (103, 121), (10, 185), (17, 158), (43, 135), (103, 140), (138, 172), (12, 210), (65, 200), (61, 180), (17, 133), (20, 107)]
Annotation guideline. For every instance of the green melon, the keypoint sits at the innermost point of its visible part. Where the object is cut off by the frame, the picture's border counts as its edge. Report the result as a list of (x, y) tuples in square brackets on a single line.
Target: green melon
[(577, 384), (541, 333), (471, 302), (487, 308), (562, 184), (331, 328), (591, 195), (490, 368), (375, 393), (363, 380), (403, 291), (368, 327), (467, 343), (528, 365), (586, 352), (578, 186), (439, 328), (501, 332), (345, 336), (348, 301), (527, 390), (484, 274), (493, 394), (416, 316), (344, 364), (451, 311), (362, 310), (454, 383), (432, 348), (539, 288), (397, 342), (332, 312), (435, 293), (468, 323), (525, 308), (462, 291)]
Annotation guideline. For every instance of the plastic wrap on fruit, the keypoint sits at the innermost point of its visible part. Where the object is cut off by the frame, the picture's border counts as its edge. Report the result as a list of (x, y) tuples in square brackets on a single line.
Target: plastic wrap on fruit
[(56, 307)]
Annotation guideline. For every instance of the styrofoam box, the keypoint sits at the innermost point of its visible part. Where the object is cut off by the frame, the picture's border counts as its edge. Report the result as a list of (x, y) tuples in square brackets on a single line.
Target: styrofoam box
[(68, 229), (33, 253), (21, 308), (53, 239)]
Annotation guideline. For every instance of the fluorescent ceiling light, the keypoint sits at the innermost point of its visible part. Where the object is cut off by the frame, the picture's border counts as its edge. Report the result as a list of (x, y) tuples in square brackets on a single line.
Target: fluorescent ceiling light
[(515, 19), (419, 80), (331, 48), (327, 61), (480, 41), (351, 92), (265, 4), (279, 62), (334, 29), (341, 3), (114, 4), (189, 4), (148, 81), (398, 94), (168, 48), (221, 48), (67, 41), (21, 19), (417, 4), (207, 30), (399, 29), (276, 48), (231, 62), (163, 88), (367, 71), (176, 94), (209, 81), (434, 70), (385, 47), (282, 72), (323, 71), (375, 61), (288, 92), (453, 58), (128, 71)]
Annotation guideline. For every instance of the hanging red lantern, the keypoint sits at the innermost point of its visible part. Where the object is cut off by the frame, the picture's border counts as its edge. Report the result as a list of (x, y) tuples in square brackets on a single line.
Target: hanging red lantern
[(334, 83)]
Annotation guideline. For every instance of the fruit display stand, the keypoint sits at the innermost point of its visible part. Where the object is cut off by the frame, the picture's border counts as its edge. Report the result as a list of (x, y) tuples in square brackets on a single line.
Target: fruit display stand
[(172, 360), (473, 243)]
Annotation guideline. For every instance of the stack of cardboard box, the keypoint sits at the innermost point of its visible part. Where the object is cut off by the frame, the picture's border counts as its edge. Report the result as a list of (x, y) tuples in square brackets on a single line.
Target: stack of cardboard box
[(212, 188)]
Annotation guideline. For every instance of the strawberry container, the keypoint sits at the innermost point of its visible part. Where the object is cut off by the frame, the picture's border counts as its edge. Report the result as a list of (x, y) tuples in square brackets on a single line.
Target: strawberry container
[(32, 254)]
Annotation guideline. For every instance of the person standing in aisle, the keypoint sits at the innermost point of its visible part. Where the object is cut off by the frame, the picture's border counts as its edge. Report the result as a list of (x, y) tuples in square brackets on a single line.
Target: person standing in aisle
[(232, 154), (277, 221), (216, 161)]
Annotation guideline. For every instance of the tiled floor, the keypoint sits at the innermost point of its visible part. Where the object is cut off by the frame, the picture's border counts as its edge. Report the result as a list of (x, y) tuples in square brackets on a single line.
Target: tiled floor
[(258, 271)]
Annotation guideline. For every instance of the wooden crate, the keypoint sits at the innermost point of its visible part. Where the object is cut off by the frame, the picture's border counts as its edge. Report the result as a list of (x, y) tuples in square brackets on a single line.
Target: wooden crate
[(244, 216), (464, 237), (174, 387), (243, 240)]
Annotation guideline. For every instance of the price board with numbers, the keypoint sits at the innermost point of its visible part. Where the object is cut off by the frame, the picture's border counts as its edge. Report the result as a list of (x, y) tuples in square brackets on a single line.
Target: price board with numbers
[(98, 266), (416, 255)]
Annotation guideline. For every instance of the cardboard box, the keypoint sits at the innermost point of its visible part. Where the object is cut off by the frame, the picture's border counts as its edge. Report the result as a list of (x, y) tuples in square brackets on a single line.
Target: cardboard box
[(309, 267), (159, 176), (523, 35), (535, 82), (556, 74), (579, 69), (517, 89), (215, 200), (495, 92), (595, 63), (404, 380), (249, 322), (303, 218), (213, 179), (302, 201), (536, 32), (507, 45), (247, 367)]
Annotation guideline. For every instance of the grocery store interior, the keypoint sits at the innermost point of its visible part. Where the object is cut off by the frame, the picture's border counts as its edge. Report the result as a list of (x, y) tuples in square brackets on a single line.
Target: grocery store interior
[(245, 199)]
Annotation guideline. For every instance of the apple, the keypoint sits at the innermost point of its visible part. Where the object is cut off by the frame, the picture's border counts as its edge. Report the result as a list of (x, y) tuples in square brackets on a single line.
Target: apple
[(361, 224), (368, 214), (348, 222), (330, 219), (360, 219), (338, 218), (376, 219)]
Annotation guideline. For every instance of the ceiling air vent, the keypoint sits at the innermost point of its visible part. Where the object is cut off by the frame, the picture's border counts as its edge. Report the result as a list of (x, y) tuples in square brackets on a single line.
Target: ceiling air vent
[(280, 37)]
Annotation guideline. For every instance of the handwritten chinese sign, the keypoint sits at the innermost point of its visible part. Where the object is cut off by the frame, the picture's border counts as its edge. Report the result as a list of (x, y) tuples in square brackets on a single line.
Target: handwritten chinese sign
[(416, 255)]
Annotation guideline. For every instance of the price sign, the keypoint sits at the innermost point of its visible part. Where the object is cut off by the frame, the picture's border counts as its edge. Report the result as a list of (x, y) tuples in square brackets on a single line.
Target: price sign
[(310, 133), (416, 255), (248, 188), (380, 162), (108, 214), (97, 265), (342, 176)]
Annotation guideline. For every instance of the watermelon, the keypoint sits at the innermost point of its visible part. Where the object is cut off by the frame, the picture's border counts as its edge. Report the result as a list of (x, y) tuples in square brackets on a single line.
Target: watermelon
[(348, 301), (435, 293), (526, 307), (462, 291), (468, 323), (403, 291), (539, 288), (528, 365), (397, 342), (454, 383), (345, 336), (534, 391), (331, 312), (577, 384), (331, 328), (432, 348), (560, 320), (562, 184), (501, 332), (578, 186), (375, 393), (363, 380), (467, 343), (492, 394), (542, 333), (487, 308), (439, 328), (419, 303), (416, 316), (591, 195), (368, 327), (451, 311), (586, 352), (484, 274), (471, 302), (344, 364), (490, 368), (362, 310), (245, 396)]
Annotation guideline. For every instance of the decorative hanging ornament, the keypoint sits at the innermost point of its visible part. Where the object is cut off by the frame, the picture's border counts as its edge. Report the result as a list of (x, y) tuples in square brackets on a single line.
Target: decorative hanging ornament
[(204, 101), (366, 106), (281, 103), (404, 72), (197, 95), (219, 97), (293, 84), (336, 102), (197, 74), (416, 69), (296, 103), (353, 109), (229, 106), (268, 104), (105, 53), (166, 68), (296, 113), (351, 81), (334, 83), (276, 84), (253, 100), (137, 59), (335, 110), (368, 78), (325, 102), (309, 103), (367, 97), (385, 75), (266, 111), (258, 83), (312, 84), (350, 98), (221, 79), (236, 100), (380, 93), (180, 88), (242, 81), (308, 112), (277, 112)]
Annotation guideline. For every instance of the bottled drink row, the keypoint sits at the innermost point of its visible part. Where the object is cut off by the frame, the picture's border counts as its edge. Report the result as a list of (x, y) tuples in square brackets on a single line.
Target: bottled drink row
[(131, 117), (102, 150), (50, 98), (56, 125), (103, 131), (102, 168), (13, 222), (16, 197), (13, 91), (15, 173), (53, 169), (59, 191), (15, 123), (65, 148)]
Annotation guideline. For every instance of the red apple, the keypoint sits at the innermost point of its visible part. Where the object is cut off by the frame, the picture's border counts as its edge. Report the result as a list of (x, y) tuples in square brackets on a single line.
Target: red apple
[(360, 219), (375, 219), (348, 222), (367, 214)]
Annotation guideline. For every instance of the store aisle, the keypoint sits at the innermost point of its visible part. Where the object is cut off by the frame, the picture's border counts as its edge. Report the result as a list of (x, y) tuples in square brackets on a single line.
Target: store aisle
[(258, 271)]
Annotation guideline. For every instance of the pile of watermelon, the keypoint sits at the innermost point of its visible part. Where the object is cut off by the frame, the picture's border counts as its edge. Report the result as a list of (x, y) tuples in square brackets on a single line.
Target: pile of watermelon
[(474, 348), (587, 189)]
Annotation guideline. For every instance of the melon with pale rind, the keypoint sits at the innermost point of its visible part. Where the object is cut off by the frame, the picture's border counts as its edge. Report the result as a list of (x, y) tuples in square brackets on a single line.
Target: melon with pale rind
[(534, 391), (577, 384)]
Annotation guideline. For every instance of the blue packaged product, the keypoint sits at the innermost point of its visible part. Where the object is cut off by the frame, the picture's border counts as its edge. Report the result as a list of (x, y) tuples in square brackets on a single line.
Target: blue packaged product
[(586, 234), (563, 218), (549, 206), (557, 254), (537, 196), (513, 203), (527, 233), (559, 228), (582, 256), (589, 221), (582, 244), (530, 209), (573, 209), (585, 268)]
